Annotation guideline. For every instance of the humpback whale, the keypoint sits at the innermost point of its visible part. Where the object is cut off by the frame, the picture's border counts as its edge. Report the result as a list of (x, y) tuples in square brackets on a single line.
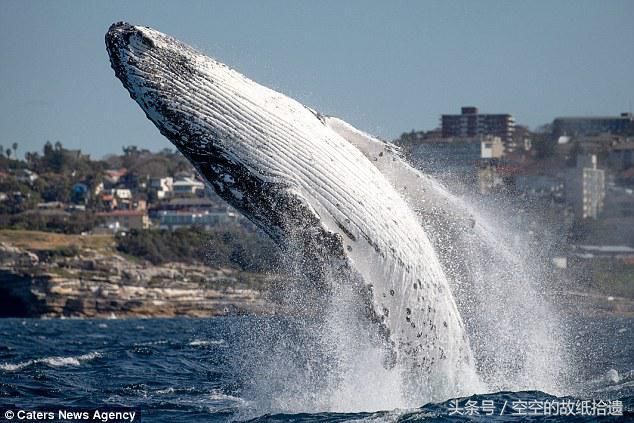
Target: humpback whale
[(309, 181)]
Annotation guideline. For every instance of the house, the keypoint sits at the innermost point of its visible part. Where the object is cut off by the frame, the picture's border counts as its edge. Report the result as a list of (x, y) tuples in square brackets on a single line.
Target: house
[(119, 220), (491, 147), (185, 203), (162, 186), (174, 219), (116, 198), (188, 185), (122, 193)]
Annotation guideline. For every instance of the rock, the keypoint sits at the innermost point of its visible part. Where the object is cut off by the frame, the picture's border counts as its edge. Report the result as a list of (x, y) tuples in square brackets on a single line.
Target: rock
[(96, 285), (11, 256)]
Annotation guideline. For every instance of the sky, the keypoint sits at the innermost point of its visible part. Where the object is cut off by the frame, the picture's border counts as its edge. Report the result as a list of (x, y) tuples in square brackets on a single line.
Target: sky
[(385, 67)]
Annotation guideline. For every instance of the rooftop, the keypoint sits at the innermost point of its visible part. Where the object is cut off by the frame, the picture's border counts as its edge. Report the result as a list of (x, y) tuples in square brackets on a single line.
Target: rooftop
[(187, 181)]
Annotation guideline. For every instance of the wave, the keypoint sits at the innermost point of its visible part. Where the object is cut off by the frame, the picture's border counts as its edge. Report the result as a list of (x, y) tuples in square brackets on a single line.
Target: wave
[(611, 381), (51, 361), (202, 342), (526, 406)]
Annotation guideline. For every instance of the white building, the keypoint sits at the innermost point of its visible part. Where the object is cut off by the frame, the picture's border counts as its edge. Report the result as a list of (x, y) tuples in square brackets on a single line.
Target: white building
[(187, 185), (491, 147), (121, 193), (162, 186), (585, 187), (119, 220)]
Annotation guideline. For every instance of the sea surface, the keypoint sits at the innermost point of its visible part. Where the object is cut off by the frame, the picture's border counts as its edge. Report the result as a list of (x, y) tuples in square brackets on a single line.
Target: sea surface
[(184, 370)]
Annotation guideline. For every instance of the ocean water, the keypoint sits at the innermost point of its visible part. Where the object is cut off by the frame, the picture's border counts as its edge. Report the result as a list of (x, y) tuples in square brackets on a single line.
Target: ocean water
[(184, 370)]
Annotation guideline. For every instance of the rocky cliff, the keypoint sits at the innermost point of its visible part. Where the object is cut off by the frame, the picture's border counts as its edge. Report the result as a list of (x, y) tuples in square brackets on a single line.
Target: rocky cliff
[(88, 283)]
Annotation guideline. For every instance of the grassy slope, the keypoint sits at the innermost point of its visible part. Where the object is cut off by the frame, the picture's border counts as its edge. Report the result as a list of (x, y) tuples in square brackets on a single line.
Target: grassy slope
[(36, 240)]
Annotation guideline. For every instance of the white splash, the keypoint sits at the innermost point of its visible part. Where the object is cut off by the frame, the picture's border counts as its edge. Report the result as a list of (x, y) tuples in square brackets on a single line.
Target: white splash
[(330, 193), (50, 361), (340, 203), (519, 340)]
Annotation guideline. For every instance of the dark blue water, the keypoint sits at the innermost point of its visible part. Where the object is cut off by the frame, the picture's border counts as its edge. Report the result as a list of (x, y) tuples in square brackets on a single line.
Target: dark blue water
[(185, 370)]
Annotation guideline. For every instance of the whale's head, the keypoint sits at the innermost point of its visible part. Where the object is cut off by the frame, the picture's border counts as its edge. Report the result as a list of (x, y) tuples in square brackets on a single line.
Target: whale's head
[(159, 72), (236, 132)]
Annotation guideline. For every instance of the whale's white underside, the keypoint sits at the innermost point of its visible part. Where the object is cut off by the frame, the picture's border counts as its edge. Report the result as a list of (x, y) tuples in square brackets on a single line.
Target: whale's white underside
[(240, 134)]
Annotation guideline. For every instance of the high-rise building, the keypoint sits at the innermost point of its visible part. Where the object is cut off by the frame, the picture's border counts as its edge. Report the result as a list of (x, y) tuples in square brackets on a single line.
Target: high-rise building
[(471, 123)]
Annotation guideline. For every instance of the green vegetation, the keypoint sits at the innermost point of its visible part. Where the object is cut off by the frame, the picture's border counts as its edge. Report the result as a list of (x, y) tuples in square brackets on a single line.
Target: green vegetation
[(412, 138), (144, 163), (55, 191), (233, 247), (229, 247)]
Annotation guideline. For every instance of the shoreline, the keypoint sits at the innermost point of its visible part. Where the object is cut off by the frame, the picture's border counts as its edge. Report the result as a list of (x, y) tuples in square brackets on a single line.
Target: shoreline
[(38, 280), (100, 283)]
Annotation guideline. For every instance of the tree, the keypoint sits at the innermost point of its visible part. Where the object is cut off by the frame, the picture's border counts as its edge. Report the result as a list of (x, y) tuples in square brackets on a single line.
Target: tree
[(130, 150), (48, 149), (31, 158), (15, 149)]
